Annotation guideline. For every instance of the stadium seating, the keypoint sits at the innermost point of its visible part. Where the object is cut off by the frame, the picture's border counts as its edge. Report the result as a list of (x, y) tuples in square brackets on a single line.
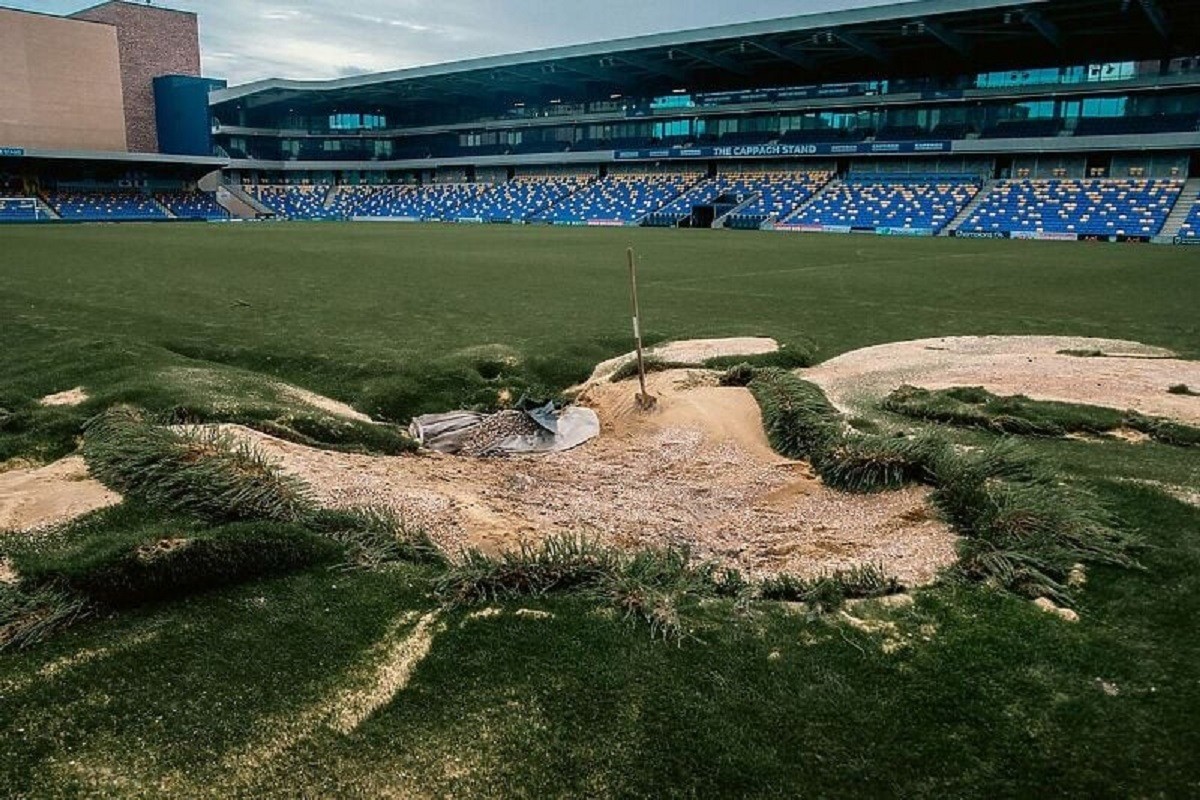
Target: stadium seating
[(619, 199), (511, 201), (294, 202), (522, 198), (915, 204), (1081, 207), (1190, 230), (771, 195), (779, 194), (19, 210), (192, 205), (105, 206)]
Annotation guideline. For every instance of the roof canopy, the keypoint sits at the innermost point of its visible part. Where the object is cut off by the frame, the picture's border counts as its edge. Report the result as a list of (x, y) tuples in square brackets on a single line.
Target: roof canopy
[(913, 39)]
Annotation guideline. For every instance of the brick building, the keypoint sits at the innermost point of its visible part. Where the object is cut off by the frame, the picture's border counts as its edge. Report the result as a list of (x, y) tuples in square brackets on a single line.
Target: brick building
[(152, 42)]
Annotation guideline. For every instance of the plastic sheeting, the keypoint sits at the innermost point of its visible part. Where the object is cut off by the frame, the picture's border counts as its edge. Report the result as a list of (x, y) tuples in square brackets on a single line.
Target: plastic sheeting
[(557, 430)]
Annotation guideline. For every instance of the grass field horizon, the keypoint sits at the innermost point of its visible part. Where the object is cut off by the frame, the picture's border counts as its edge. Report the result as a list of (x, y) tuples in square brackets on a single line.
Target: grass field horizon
[(222, 693)]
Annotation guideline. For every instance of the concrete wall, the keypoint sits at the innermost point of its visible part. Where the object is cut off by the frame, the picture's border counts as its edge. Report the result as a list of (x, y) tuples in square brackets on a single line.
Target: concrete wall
[(153, 42), (60, 84)]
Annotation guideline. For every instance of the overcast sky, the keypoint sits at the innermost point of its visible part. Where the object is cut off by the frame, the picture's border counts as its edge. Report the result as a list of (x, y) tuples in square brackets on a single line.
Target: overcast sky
[(246, 40)]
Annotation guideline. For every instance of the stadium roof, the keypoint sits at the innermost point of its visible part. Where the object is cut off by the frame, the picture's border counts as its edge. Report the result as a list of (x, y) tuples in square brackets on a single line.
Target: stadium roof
[(912, 39)]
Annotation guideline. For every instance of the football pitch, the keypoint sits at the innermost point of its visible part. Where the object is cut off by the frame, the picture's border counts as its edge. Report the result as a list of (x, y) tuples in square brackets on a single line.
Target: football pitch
[(238, 691)]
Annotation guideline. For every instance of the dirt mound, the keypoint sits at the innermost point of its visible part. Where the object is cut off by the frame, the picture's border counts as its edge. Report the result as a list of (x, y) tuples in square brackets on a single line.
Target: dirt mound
[(1127, 376), (691, 352), (696, 472), (41, 496)]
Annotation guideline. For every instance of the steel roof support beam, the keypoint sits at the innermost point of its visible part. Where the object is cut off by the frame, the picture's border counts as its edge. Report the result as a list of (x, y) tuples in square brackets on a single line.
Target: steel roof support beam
[(785, 54), (864, 46), (598, 74), (700, 54), (954, 41), (1048, 30), (1157, 18), (676, 75)]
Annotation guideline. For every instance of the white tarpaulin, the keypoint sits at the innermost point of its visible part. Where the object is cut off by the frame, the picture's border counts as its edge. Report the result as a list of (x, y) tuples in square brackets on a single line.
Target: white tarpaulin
[(542, 430)]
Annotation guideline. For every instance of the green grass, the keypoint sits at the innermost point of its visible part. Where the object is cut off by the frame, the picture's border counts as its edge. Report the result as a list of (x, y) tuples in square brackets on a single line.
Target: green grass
[(974, 407), (971, 693)]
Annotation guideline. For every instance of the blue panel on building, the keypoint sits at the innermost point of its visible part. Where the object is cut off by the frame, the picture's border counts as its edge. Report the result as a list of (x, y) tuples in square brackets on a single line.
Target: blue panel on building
[(184, 119)]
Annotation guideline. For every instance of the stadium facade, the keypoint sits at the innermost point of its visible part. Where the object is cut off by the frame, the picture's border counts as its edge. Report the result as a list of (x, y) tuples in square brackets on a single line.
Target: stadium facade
[(1020, 118)]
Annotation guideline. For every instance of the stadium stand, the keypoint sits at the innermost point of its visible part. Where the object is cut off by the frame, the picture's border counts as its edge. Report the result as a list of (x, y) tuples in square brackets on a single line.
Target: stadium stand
[(768, 195), (865, 202), (508, 201), (105, 206), (523, 198), (19, 209), (192, 205), (294, 202), (1189, 231), (1123, 207), (620, 199), (778, 195)]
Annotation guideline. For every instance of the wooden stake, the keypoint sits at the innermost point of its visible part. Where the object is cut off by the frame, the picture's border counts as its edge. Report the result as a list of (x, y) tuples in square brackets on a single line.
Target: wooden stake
[(644, 398)]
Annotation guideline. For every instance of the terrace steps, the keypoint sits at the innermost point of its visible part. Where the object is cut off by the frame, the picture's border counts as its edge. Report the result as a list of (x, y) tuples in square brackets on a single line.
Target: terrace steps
[(831, 185), (1179, 214), (969, 209)]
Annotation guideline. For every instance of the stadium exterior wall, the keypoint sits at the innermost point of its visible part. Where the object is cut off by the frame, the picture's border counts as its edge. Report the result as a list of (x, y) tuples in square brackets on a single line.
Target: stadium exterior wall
[(152, 42), (62, 84)]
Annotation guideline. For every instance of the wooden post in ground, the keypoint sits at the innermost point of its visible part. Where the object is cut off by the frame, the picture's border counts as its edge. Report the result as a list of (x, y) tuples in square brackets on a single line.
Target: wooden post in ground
[(645, 400)]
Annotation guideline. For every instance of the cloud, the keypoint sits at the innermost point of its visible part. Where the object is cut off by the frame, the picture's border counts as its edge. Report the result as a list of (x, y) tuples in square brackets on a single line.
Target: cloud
[(314, 39)]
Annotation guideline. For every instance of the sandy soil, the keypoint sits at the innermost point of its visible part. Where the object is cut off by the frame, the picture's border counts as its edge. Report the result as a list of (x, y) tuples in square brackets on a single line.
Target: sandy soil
[(71, 397), (692, 352), (1131, 376), (42, 496), (698, 472)]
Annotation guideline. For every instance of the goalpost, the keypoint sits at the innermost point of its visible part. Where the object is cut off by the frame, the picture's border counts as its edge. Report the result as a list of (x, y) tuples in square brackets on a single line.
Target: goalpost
[(28, 203)]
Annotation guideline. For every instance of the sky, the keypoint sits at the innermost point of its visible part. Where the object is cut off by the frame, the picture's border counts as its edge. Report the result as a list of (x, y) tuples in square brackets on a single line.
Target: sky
[(248, 40)]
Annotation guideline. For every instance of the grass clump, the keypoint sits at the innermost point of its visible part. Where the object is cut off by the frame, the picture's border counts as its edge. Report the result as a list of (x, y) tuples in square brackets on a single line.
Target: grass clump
[(1023, 530), (800, 421), (29, 615), (375, 538), (876, 463), (140, 566), (740, 374), (792, 355), (196, 471), (654, 585), (830, 591), (975, 407)]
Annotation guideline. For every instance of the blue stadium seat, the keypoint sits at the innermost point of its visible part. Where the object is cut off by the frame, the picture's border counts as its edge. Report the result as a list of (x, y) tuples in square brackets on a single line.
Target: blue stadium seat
[(1190, 230), (19, 209), (1092, 207), (294, 202), (192, 205), (916, 204), (105, 206), (619, 199), (511, 201)]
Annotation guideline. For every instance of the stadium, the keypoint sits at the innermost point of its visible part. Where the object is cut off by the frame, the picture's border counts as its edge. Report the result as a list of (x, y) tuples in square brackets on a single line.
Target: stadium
[(330, 465)]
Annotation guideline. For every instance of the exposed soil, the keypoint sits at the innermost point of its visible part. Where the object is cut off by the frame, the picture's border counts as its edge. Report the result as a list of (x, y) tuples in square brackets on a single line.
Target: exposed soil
[(71, 397), (696, 472), (42, 496), (690, 352), (1129, 376)]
